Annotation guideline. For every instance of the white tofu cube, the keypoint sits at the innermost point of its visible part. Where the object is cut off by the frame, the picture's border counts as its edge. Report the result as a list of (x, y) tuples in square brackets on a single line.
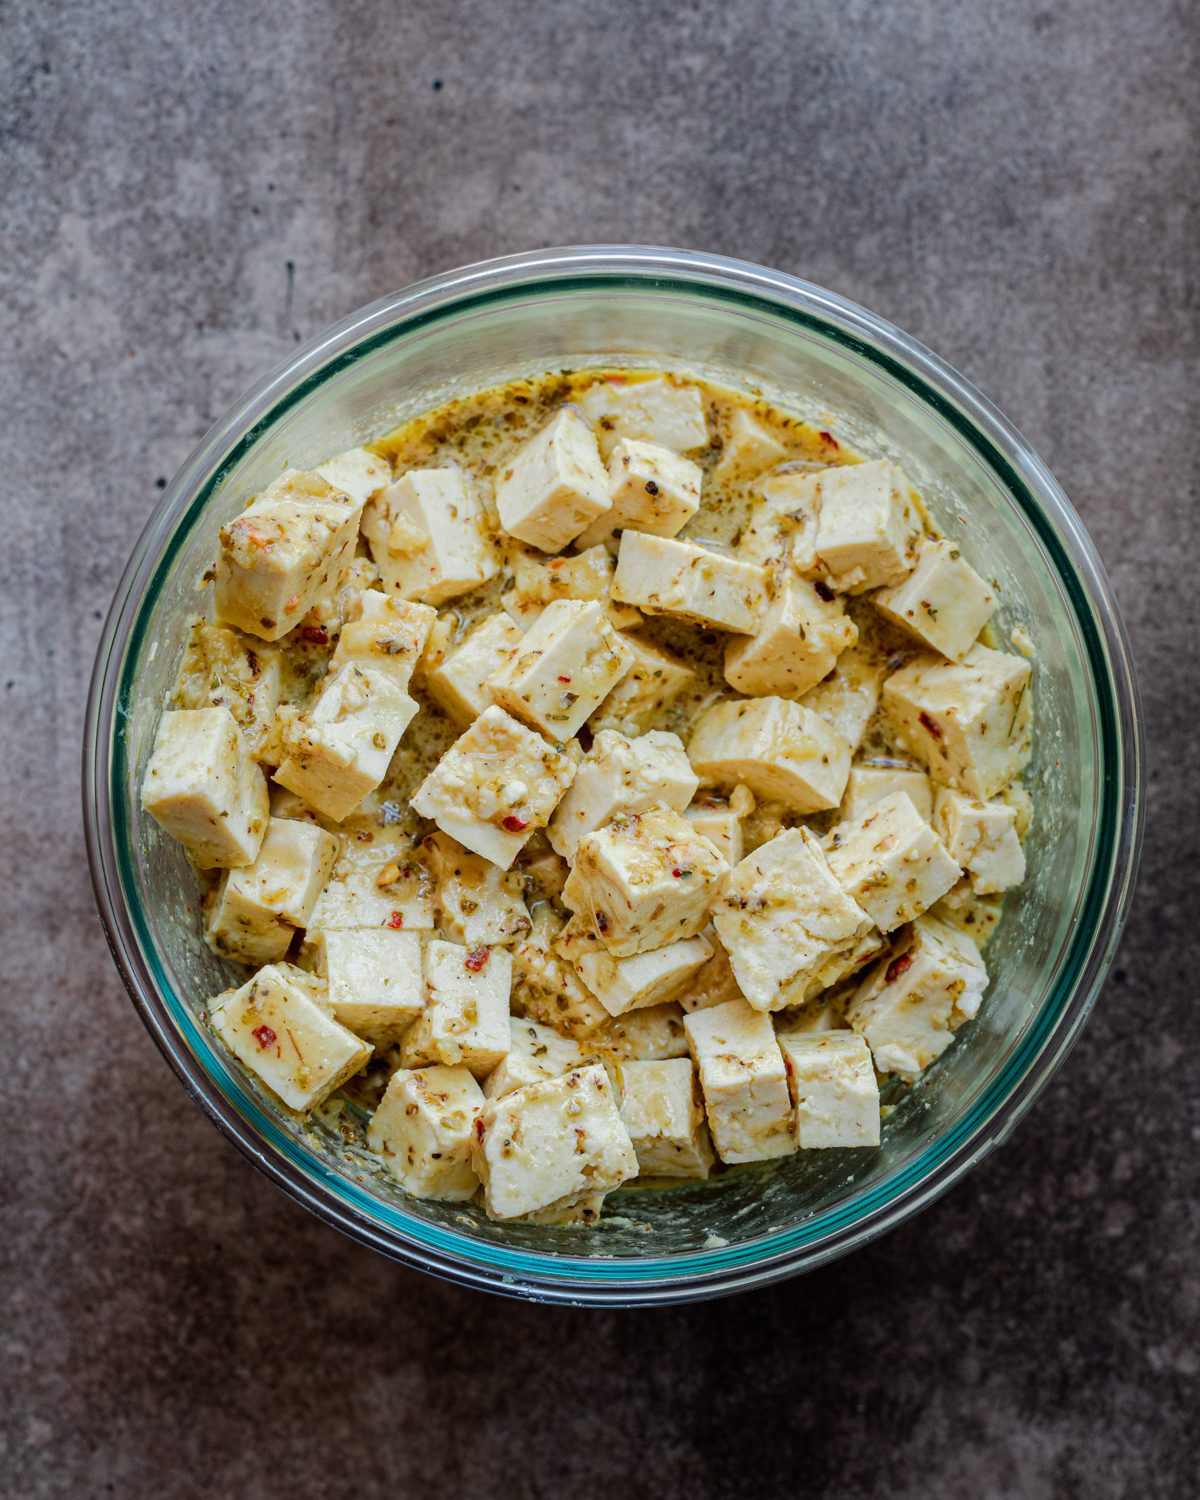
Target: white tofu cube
[(970, 723), (720, 825), (555, 486), (667, 577), (654, 680), (849, 696), (477, 903), (658, 409), (385, 634), (622, 775), (798, 641), (824, 1012), (975, 915), (539, 580), (661, 1108), (378, 880), (651, 488), (649, 1035), (833, 1088), (551, 1141), (868, 530), (256, 909), (750, 446), (943, 601), (203, 788), (789, 928), (911, 1003), (465, 1019), (423, 1129), (429, 536), (891, 862), (782, 527), (643, 979), (374, 980), (496, 786), (868, 785), (458, 674), (744, 1082), (715, 982), (644, 880), (222, 668), (340, 749), (565, 666), (782, 751), (537, 1052), (982, 838), (577, 1212), (280, 1027), (285, 553), (546, 987), (358, 473), (1017, 796)]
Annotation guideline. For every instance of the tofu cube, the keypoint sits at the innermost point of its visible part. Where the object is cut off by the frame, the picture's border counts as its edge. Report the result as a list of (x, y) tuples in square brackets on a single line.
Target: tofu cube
[(654, 680), (542, 871), (644, 880), (545, 987), (750, 447), (458, 674), (868, 530), (982, 838), (374, 980), (715, 982), (744, 1082), (202, 787), (622, 775), (477, 903), (667, 577), (781, 530), (943, 601), (834, 1091), (911, 1003), (789, 928), (496, 786), (890, 861), (358, 473), (565, 666), (975, 915), (587, 575), (969, 723), (384, 634), (465, 1019), (537, 1052), (824, 1012), (652, 489), (1017, 796), (625, 984), (868, 785), (653, 410), (720, 825), (848, 697), (798, 641), (340, 749), (661, 1108), (428, 536), (782, 751), (285, 553), (555, 486), (257, 908), (551, 1141), (422, 1129), (222, 668), (649, 1035), (378, 880), (280, 1027)]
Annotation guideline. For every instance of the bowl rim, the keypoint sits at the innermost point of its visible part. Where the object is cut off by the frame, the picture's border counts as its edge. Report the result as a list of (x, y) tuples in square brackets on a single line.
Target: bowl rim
[(1027, 483)]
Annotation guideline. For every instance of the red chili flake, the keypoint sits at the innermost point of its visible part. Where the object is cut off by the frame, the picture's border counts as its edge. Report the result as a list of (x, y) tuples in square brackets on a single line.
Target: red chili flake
[(514, 822), (396, 919), (897, 967), (828, 437), (927, 723), (315, 635), (563, 678), (480, 1130), (263, 1035), (823, 591), (476, 959)]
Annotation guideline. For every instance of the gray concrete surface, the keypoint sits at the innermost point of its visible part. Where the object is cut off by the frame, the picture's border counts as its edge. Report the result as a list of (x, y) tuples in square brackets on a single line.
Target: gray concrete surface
[(1013, 183)]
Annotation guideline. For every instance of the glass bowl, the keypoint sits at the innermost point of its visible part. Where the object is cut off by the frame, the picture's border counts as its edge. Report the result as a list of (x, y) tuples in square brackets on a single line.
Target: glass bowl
[(824, 359)]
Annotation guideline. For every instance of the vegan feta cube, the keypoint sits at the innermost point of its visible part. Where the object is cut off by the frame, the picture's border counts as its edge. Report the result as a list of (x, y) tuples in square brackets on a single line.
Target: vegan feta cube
[(781, 750), (943, 601), (428, 536), (256, 909), (870, 784), (378, 880), (848, 697), (661, 1108), (477, 903), (458, 674), (622, 775), (222, 668), (868, 530), (749, 448), (782, 527), (652, 1034), (664, 576), (358, 473), (423, 1129), (546, 987), (465, 1018), (982, 838), (384, 634), (654, 410), (643, 979), (555, 485), (652, 489), (279, 1025), (973, 914), (744, 1082), (497, 784), (836, 1097), (797, 643), (202, 787), (587, 575), (565, 666), (715, 982), (891, 862), (654, 680), (374, 978), (720, 825), (537, 1052)]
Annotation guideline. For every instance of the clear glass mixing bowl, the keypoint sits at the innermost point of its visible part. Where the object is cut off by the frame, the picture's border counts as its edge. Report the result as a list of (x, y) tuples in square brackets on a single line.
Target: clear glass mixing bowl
[(822, 358)]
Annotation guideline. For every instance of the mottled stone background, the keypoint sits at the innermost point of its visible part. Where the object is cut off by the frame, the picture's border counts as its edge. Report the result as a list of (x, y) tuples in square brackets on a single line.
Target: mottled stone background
[(1013, 183)]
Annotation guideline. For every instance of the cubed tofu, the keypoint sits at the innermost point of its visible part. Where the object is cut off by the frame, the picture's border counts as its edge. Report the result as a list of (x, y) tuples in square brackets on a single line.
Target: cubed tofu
[(833, 1086), (650, 1035), (580, 1211), (279, 1025), (555, 485), (890, 861), (465, 1019), (539, 581), (546, 987), (911, 1003), (203, 788), (977, 916), (625, 984), (622, 775), (551, 1141), (652, 489), (286, 551), (384, 634), (824, 1012), (798, 641), (749, 447), (782, 528), (378, 880), (423, 1128), (982, 838), (256, 909), (654, 680), (789, 928), (222, 668), (375, 980), (537, 1052), (429, 536), (644, 880), (565, 666), (1017, 796), (969, 723), (870, 784), (868, 530), (340, 749), (943, 601), (661, 1108), (331, 613), (458, 674), (655, 410), (715, 982), (782, 751), (542, 871), (358, 473), (667, 577), (496, 786), (744, 1082), (849, 696), (720, 825), (477, 903)]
